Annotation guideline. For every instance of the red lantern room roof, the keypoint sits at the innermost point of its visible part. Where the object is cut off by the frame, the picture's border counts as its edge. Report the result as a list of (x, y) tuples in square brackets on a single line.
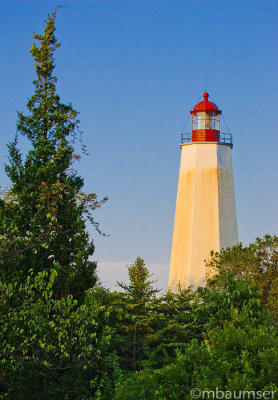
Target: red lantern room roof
[(205, 106)]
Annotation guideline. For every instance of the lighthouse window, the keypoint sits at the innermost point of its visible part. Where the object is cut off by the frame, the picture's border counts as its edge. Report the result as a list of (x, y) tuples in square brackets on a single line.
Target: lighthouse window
[(205, 120), (217, 122)]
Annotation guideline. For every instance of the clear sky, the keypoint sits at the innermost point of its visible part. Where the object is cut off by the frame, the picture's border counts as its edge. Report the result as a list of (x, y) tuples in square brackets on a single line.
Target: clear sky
[(133, 69)]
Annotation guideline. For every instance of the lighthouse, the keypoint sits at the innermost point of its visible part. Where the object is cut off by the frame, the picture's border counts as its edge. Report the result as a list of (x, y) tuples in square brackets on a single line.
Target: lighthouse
[(205, 217)]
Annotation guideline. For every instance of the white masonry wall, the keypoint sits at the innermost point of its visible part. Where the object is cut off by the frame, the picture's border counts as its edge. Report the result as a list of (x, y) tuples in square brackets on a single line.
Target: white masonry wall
[(205, 216)]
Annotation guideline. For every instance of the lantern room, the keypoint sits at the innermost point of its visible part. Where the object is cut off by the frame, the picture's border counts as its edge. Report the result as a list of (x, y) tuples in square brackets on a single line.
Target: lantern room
[(205, 121)]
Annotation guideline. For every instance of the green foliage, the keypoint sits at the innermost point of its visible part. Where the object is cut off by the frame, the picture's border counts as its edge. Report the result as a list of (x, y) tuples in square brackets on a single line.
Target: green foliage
[(52, 348), (257, 262), (219, 302), (134, 318), (161, 326), (140, 288), (180, 317), (226, 359), (53, 344), (225, 340), (174, 325), (272, 299), (43, 215)]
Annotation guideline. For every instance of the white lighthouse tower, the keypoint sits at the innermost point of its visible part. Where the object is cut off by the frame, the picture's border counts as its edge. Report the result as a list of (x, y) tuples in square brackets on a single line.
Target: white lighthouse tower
[(205, 216)]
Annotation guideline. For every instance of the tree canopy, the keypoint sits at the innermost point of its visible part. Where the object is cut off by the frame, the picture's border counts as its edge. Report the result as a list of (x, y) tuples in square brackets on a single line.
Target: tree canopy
[(44, 213), (52, 343)]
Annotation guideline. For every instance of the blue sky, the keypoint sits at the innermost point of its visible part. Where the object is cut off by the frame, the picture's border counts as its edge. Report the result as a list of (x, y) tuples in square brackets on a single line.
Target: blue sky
[(133, 69)]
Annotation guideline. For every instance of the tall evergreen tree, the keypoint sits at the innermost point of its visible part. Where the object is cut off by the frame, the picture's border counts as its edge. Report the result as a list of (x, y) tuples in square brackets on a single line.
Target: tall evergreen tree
[(135, 318), (174, 326), (53, 344), (43, 215)]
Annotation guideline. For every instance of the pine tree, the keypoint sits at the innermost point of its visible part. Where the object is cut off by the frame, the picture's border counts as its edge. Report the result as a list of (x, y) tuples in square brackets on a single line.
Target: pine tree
[(43, 215), (135, 317)]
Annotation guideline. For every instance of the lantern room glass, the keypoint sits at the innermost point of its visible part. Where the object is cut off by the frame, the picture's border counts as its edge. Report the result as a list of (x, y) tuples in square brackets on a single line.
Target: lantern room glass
[(206, 120)]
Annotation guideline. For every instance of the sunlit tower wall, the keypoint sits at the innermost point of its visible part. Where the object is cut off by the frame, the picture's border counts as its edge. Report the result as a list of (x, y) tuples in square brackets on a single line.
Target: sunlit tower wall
[(205, 217)]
